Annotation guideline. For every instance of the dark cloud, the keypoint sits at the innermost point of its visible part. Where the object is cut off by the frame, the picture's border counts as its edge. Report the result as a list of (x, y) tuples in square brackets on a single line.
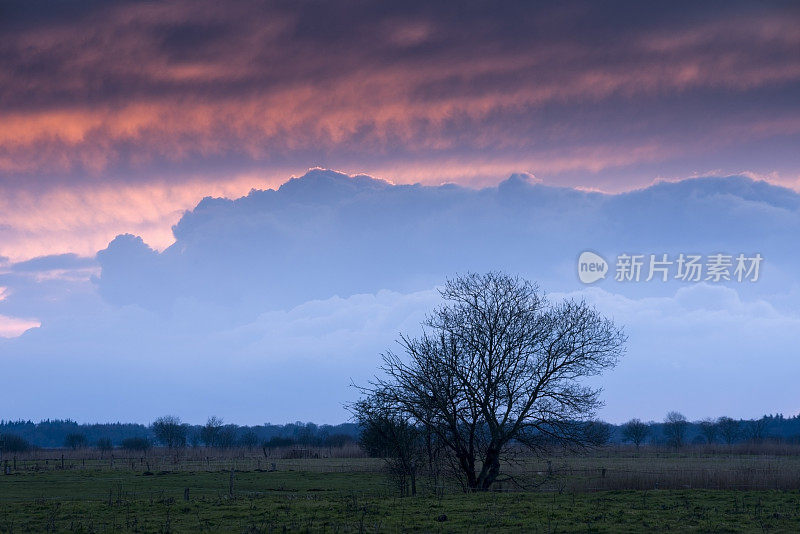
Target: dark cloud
[(129, 90)]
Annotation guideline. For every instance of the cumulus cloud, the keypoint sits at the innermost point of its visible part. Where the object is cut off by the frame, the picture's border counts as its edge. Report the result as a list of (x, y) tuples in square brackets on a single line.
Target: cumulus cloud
[(328, 233)]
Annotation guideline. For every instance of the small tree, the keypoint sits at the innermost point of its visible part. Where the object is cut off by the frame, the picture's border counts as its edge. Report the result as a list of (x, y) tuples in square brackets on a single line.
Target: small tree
[(675, 426), (170, 431), (385, 434), (635, 431), (75, 441), (209, 434), (709, 429), (728, 429)]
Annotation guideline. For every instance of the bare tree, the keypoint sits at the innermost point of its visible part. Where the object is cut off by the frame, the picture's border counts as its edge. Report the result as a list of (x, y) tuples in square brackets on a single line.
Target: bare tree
[(728, 429), (210, 432), (675, 426), (498, 367), (635, 431), (710, 429), (170, 431), (756, 430)]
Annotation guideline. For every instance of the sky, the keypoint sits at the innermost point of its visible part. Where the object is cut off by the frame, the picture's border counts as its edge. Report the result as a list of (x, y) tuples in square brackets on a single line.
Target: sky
[(233, 208)]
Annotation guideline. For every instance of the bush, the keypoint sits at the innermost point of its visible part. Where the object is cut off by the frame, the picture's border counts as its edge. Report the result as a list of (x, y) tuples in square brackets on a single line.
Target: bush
[(136, 444), (13, 443), (104, 444)]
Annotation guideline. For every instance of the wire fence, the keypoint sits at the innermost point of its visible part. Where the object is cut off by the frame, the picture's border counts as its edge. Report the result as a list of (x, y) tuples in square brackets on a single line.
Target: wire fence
[(119, 477)]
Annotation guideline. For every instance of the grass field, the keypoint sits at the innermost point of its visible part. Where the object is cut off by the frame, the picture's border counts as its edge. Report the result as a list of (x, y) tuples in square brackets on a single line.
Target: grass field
[(352, 495)]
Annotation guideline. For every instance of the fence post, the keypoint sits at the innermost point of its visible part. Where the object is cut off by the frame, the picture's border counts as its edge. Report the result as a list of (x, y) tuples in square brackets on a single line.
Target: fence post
[(230, 486)]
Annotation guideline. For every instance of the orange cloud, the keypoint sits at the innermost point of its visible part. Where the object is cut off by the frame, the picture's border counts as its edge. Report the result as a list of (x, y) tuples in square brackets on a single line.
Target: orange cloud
[(83, 220), (15, 327)]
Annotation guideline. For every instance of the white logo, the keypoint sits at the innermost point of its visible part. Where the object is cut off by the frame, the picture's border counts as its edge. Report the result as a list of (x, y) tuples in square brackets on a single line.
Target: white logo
[(591, 267)]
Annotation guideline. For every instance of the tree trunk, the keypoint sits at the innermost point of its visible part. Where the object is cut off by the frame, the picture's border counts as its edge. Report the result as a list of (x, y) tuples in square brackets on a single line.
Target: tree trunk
[(490, 470), (467, 465)]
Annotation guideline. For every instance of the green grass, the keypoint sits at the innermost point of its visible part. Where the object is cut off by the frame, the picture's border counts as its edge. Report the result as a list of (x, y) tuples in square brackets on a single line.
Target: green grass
[(118, 501)]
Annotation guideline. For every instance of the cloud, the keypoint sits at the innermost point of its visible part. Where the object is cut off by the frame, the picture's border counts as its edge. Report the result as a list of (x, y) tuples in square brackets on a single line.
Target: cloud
[(702, 351), (82, 220), (137, 89), (53, 263), (327, 234), (14, 326)]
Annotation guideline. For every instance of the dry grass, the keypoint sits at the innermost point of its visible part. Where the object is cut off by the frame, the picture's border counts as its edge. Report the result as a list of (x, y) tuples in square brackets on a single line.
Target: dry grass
[(740, 467)]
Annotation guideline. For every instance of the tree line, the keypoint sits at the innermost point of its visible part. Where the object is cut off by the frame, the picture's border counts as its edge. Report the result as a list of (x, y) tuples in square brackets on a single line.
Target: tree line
[(674, 431), (677, 431), (169, 431)]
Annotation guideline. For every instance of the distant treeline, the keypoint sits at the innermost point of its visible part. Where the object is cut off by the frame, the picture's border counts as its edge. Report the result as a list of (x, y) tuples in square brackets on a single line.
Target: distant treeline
[(675, 430), (170, 431)]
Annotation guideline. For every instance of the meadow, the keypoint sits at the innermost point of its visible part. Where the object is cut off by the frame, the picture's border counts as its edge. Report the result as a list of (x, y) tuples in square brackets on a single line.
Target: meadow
[(615, 489)]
